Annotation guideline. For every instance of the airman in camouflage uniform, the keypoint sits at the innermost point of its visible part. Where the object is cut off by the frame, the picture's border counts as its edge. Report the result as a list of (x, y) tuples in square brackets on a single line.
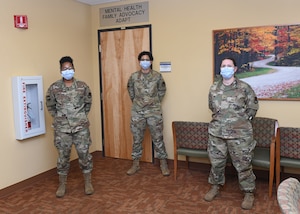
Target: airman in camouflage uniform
[(69, 101), (233, 104), (146, 90)]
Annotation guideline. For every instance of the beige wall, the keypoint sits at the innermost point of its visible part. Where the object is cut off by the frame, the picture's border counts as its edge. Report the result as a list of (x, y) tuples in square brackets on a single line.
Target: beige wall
[(181, 33), (56, 28)]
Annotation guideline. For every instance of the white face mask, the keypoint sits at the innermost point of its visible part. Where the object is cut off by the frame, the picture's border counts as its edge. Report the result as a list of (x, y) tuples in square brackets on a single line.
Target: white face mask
[(68, 74), (227, 72), (145, 64)]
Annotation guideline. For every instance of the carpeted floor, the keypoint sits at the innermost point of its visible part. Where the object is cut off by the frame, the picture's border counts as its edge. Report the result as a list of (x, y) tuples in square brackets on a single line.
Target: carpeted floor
[(146, 192)]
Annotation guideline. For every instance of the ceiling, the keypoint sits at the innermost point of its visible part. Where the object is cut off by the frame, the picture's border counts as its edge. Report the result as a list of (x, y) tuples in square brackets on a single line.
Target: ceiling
[(94, 2)]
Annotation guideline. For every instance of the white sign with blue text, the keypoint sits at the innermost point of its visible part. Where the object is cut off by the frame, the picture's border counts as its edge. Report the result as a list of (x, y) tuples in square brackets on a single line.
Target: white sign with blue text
[(165, 66)]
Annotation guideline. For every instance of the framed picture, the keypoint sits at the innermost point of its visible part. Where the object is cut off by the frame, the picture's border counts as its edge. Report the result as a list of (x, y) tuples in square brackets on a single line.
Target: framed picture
[(268, 58)]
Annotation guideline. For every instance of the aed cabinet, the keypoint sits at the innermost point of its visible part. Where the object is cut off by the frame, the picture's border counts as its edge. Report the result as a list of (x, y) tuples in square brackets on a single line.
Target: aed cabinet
[(29, 116)]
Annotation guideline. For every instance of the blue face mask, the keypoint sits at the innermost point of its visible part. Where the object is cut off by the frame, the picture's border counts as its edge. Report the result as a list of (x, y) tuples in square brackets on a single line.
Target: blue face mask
[(227, 72), (145, 64), (68, 74)]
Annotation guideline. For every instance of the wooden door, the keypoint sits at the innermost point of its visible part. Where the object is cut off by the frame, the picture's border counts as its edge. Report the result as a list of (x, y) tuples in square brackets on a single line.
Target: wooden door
[(119, 49)]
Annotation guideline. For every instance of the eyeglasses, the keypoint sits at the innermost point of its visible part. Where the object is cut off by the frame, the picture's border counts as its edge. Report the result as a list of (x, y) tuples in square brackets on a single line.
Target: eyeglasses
[(67, 68), (144, 59)]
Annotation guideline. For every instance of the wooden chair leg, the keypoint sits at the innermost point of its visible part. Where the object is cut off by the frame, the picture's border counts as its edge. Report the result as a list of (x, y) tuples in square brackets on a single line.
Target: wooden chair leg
[(271, 180), (278, 173), (175, 167), (187, 161)]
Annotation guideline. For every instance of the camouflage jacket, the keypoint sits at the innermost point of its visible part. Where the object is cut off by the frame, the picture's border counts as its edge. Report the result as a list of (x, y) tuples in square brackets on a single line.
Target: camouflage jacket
[(146, 91), (233, 107), (69, 106)]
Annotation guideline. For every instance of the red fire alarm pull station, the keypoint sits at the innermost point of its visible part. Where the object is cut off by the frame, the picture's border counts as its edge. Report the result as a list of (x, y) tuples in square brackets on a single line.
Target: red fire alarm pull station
[(21, 21)]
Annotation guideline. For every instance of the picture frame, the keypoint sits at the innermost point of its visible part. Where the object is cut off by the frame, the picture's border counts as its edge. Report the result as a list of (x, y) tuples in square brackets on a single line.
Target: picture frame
[(268, 58)]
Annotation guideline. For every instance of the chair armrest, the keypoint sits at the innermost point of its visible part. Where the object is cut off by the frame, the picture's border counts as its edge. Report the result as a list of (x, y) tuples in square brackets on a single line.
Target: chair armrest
[(272, 147)]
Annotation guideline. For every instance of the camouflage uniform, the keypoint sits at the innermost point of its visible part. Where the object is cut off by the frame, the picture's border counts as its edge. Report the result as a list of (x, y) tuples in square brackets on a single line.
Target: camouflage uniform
[(230, 130), (146, 92), (69, 107)]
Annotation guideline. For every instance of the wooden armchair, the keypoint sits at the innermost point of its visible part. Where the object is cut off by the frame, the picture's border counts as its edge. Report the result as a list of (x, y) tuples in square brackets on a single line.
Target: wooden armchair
[(190, 139), (287, 149), (264, 132)]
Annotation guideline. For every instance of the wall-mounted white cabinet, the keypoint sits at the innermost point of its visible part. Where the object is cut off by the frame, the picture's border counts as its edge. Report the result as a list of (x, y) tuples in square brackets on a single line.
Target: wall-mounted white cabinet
[(28, 104)]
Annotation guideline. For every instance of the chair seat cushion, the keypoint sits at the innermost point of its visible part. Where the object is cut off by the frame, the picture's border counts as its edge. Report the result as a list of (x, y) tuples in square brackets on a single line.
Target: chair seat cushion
[(196, 153), (261, 157), (192, 152), (289, 162)]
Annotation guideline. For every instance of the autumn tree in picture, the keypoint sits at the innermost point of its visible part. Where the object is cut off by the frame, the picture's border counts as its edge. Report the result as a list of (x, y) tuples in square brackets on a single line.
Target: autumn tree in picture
[(268, 58)]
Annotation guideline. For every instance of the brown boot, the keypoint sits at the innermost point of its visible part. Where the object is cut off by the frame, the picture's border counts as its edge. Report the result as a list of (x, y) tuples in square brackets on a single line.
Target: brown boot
[(248, 201), (164, 167), (61, 190), (134, 168), (212, 193), (88, 187)]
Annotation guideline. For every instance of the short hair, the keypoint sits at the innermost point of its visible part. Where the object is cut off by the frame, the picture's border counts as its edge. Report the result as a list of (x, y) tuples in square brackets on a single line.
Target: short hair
[(145, 53), (66, 59), (230, 58)]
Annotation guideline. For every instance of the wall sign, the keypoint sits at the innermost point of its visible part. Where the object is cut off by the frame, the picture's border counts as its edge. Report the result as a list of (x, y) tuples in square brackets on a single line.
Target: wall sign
[(21, 21), (124, 14), (165, 66)]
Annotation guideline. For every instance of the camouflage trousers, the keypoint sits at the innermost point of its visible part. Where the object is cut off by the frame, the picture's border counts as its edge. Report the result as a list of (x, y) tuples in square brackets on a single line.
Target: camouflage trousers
[(64, 141), (241, 153), (139, 121)]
